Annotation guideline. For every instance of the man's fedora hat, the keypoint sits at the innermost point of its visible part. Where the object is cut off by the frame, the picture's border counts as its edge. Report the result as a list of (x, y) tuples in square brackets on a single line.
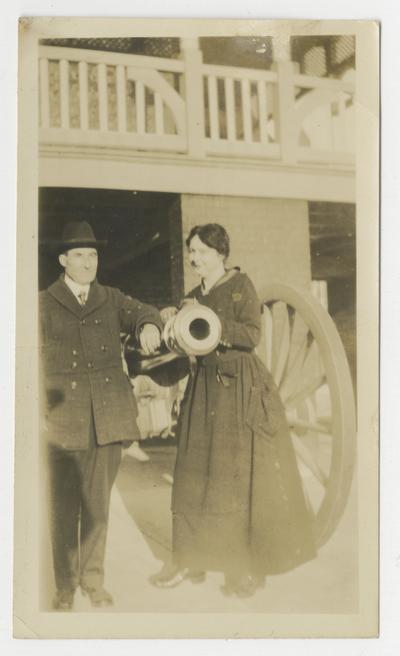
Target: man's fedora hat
[(77, 234)]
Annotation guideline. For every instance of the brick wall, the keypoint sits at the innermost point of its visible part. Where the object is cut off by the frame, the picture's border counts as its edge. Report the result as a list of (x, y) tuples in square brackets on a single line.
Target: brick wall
[(269, 237)]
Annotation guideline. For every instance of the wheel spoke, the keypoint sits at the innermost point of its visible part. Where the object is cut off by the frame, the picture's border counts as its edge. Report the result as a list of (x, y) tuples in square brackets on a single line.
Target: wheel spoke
[(306, 391), (281, 340), (312, 363), (308, 460), (309, 505), (314, 427), (293, 377), (326, 422), (298, 340), (268, 328)]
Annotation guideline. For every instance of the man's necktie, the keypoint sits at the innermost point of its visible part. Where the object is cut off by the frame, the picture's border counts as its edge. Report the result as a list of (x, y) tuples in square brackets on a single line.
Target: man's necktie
[(82, 297)]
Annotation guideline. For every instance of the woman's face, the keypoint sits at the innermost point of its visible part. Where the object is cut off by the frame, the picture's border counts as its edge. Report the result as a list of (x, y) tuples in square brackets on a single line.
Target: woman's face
[(204, 260)]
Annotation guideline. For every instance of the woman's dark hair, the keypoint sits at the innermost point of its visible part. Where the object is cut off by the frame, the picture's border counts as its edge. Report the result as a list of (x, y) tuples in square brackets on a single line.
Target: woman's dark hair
[(213, 235)]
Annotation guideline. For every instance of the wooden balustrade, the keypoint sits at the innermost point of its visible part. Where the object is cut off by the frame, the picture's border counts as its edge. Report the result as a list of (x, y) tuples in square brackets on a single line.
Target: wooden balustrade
[(238, 113), (185, 106)]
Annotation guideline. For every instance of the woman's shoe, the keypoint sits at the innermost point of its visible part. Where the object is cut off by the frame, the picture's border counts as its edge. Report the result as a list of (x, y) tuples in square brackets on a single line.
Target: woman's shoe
[(230, 585), (227, 590), (170, 577), (196, 577), (242, 587), (247, 588)]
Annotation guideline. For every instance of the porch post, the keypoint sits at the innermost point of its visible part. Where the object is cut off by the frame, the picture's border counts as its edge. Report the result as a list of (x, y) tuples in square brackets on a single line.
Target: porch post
[(193, 59), (286, 128)]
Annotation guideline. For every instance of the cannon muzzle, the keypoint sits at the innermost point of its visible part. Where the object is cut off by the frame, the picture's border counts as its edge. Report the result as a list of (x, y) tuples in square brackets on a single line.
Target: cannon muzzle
[(195, 330)]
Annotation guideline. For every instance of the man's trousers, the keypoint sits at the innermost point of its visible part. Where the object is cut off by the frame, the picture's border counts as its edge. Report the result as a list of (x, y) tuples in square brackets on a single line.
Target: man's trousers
[(80, 485)]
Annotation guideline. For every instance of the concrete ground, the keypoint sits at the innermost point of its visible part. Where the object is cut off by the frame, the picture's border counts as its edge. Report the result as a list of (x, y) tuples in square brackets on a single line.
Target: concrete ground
[(139, 542)]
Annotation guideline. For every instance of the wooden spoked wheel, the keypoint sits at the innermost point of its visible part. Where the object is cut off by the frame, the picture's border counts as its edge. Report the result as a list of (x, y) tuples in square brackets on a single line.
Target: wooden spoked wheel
[(302, 349)]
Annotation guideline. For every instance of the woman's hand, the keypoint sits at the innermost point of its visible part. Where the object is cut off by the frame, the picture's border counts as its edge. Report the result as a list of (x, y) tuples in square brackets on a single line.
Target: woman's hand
[(167, 313), (150, 338)]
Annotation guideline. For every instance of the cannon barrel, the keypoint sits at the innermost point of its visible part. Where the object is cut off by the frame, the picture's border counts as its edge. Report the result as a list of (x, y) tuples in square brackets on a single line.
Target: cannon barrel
[(195, 330)]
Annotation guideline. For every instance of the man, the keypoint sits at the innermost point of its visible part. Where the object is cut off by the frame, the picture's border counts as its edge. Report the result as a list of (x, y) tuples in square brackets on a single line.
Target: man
[(90, 408)]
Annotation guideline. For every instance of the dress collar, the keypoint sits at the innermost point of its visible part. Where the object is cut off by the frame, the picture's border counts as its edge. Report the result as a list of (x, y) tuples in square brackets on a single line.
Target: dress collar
[(229, 273)]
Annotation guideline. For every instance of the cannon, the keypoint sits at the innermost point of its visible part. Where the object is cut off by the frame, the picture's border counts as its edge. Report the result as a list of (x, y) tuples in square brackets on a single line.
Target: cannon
[(301, 347), (195, 330)]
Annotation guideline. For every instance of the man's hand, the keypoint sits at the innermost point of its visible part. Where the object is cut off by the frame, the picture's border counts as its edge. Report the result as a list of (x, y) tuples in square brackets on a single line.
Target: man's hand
[(150, 338)]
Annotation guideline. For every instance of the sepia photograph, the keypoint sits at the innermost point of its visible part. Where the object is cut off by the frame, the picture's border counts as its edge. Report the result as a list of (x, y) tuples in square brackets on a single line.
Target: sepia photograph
[(197, 423)]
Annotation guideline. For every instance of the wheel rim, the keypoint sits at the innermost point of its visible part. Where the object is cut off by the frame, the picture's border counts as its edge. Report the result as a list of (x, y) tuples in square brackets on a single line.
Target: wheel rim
[(302, 349)]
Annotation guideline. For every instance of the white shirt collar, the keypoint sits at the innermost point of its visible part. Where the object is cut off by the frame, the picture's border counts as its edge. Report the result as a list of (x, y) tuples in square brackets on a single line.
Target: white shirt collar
[(75, 287)]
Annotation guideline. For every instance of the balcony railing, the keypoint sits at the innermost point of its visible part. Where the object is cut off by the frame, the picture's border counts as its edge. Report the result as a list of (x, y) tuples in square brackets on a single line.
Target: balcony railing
[(103, 99)]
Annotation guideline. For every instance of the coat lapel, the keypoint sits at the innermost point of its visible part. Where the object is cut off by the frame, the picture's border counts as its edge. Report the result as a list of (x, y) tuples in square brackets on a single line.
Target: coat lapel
[(97, 296), (62, 293)]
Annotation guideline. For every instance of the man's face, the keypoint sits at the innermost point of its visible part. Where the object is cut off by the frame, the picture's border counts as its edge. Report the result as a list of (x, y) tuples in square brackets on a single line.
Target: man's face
[(80, 264)]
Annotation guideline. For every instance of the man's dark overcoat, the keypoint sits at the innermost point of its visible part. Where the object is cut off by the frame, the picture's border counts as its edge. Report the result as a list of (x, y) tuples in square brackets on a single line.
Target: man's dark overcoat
[(81, 358)]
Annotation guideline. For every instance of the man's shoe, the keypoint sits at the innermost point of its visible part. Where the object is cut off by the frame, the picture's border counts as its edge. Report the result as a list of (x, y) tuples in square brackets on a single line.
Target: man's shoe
[(63, 600), (99, 597)]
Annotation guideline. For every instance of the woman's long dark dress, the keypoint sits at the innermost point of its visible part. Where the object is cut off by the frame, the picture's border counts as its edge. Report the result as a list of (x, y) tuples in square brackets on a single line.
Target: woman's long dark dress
[(237, 502)]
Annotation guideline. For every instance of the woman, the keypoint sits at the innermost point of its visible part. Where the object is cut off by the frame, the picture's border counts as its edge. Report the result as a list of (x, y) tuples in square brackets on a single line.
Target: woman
[(237, 500)]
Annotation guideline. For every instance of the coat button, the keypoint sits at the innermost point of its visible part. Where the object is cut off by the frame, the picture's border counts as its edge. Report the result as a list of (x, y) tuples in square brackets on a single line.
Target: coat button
[(97, 321), (83, 322), (74, 352), (73, 384), (103, 347), (90, 365), (108, 380), (74, 365)]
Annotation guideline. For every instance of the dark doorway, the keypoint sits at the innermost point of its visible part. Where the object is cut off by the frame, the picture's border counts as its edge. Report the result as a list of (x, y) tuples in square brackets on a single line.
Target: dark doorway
[(333, 258), (143, 257)]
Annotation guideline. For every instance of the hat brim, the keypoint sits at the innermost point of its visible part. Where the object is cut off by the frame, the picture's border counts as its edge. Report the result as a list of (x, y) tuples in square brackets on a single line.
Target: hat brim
[(61, 246)]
